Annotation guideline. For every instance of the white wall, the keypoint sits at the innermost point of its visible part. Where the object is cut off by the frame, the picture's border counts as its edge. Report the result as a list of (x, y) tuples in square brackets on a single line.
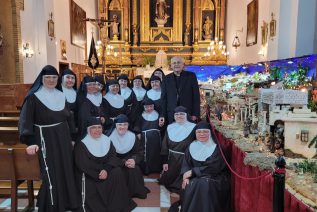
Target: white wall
[(306, 27), (34, 20), (296, 30)]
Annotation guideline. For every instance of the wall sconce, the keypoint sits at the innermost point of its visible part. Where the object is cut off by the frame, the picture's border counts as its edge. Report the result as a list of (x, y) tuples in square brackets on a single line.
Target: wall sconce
[(27, 51), (236, 42)]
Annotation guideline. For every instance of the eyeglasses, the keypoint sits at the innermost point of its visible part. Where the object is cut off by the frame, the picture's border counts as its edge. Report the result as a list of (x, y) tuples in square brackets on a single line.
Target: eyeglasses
[(203, 131), (124, 124), (68, 76), (99, 85), (180, 114), (50, 77), (90, 83)]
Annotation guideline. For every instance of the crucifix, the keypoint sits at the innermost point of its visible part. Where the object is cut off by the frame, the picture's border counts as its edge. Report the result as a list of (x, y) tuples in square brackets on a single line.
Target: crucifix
[(100, 23)]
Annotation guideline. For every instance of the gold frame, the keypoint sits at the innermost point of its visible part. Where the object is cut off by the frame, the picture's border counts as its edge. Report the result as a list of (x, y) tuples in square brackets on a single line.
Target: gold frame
[(272, 27), (252, 23), (264, 33), (78, 32), (50, 28)]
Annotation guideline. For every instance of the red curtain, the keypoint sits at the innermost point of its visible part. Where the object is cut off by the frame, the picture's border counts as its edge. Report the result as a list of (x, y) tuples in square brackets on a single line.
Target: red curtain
[(253, 195)]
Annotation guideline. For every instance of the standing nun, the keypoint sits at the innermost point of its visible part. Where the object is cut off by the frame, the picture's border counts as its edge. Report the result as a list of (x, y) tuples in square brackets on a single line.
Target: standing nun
[(127, 93), (101, 181), (177, 139), (155, 92), (130, 151), (139, 91), (69, 87), (206, 178), (113, 103), (150, 137), (89, 103), (44, 128)]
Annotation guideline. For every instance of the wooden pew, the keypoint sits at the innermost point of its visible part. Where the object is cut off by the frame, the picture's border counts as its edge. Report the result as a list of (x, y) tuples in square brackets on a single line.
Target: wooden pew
[(9, 121), (16, 166), (9, 135)]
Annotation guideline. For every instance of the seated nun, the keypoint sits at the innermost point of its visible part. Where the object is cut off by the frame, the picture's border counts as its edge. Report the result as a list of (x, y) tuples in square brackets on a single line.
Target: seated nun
[(177, 139), (148, 127), (129, 150), (100, 179), (205, 176)]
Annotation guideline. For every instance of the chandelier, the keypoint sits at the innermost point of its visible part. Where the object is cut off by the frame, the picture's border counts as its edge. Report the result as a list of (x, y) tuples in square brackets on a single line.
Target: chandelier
[(216, 47)]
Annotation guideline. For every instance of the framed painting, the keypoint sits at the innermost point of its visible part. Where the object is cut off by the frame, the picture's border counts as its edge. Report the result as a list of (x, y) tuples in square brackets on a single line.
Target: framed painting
[(252, 23), (77, 25)]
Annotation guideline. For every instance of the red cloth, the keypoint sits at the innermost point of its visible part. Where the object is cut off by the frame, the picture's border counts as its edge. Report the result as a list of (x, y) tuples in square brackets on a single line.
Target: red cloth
[(253, 195)]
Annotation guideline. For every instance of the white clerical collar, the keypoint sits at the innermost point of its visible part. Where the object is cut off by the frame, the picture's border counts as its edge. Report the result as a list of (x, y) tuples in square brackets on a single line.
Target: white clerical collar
[(178, 132), (202, 150), (154, 94), (139, 93), (98, 147), (125, 92), (115, 100), (70, 94), (95, 98), (152, 116), (122, 143), (51, 98)]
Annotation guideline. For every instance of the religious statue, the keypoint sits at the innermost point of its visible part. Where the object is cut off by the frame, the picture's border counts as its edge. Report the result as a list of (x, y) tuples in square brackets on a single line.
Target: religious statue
[(161, 60), (114, 27), (207, 28), (161, 13), (135, 34), (187, 34)]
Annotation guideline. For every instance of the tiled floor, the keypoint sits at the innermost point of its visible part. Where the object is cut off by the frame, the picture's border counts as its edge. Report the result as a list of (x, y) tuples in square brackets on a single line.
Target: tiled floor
[(158, 200)]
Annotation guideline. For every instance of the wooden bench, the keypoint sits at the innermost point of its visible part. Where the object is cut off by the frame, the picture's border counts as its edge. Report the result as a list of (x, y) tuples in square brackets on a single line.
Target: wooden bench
[(10, 113), (9, 121), (9, 135), (16, 167)]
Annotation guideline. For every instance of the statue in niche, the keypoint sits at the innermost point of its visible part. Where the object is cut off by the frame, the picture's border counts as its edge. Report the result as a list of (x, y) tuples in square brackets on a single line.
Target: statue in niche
[(135, 34), (186, 35), (161, 13), (114, 27), (207, 28)]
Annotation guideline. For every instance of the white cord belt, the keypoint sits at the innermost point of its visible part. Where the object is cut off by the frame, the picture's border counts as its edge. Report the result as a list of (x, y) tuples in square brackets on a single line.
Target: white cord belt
[(181, 153), (43, 148), (145, 140), (83, 191)]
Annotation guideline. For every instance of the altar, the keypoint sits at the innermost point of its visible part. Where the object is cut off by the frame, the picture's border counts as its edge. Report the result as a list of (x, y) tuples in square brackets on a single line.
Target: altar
[(147, 71)]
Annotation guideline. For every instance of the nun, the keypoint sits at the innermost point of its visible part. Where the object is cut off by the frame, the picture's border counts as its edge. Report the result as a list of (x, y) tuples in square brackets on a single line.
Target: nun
[(130, 151), (206, 178), (148, 127), (139, 91), (89, 103), (100, 179), (178, 137), (154, 93), (127, 93), (44, 128), (113, 103), (69, 87), (158, 72)]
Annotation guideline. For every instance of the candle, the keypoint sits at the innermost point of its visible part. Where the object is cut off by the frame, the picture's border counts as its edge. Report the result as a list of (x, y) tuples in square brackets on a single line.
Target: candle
[(235, 118)]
